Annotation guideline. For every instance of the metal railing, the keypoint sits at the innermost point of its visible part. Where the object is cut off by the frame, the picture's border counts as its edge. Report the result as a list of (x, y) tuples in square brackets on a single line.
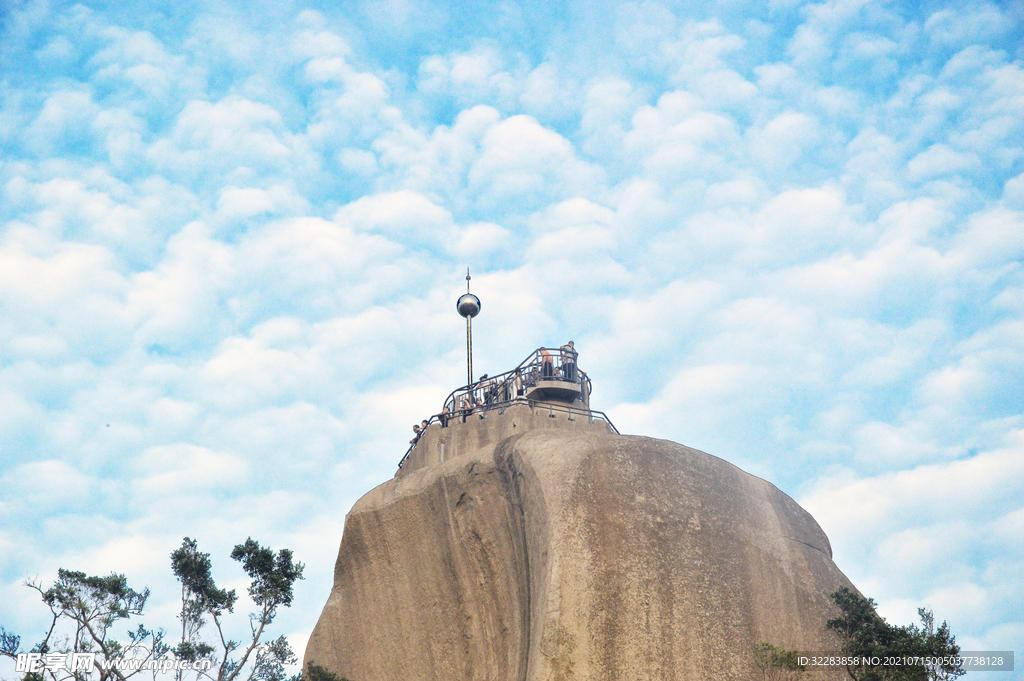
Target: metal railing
[(498, 392), (535, 406), (543, 364)]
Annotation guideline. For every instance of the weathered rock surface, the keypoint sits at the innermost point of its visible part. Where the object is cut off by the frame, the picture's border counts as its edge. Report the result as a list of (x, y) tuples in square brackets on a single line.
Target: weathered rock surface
[(526, 547)]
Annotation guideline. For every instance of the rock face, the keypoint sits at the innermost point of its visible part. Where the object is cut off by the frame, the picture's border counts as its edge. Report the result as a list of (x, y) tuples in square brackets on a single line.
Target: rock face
[(530, 547)]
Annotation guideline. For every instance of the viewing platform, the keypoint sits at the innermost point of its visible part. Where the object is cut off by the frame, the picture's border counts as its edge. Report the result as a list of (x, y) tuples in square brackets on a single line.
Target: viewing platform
[(546, 388), (548, 374)]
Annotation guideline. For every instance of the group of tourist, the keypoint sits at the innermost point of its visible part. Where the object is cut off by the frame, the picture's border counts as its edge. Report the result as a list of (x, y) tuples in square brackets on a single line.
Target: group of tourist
[(418, 430), (487, 391)]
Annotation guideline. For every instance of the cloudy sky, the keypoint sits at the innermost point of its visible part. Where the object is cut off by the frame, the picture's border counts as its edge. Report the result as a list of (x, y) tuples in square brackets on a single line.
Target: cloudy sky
[(232, 234)]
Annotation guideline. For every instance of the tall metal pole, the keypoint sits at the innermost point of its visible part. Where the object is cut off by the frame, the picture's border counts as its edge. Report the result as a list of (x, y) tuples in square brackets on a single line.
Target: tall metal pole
[(469, 351), (468, 306)]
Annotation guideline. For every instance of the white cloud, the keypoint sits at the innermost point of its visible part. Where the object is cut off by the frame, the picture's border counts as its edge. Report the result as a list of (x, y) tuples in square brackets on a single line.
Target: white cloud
[(319, 43), (680, 138), (522, 161), (58, 292), (991, 238), (547, 94), (244, 202), (785, 139), (65, 121), (477, 239), (184, 470), (137, 60), (936, 530), (403, 214), (702, 54), (967, 25), (610, 104), (479, 75), (232, 134), (177, 303), (940, 160), (438, 161), (32, 484)]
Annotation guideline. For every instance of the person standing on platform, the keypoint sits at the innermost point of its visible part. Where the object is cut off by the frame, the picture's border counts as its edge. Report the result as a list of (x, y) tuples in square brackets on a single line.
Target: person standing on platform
[(547, 368), (568, 361), (518, 388)]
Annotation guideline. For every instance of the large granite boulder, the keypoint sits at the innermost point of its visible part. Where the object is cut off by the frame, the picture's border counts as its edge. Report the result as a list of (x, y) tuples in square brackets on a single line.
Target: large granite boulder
[(527, 546)]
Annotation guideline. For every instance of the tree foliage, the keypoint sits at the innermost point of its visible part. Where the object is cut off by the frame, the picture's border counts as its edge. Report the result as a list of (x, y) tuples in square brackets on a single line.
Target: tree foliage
[(864, 634), (777, 664), (315, 672), (273, 579), (9, 643), (85, 611), (199, 596)]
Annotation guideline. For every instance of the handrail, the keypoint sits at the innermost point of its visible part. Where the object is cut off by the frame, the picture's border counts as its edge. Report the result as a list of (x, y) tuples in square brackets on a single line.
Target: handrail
[(512, 387), (543, 364), (551, 407)]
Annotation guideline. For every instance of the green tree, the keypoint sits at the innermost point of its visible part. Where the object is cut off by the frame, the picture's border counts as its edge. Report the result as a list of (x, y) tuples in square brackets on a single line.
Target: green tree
[(83, 613), (9, 644), (273, 579), (777, 664), (864, 634), (315, 672), (199, 597)]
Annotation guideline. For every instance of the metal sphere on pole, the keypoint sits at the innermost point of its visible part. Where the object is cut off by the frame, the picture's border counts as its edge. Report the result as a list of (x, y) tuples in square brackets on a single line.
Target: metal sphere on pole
[(468, 306)]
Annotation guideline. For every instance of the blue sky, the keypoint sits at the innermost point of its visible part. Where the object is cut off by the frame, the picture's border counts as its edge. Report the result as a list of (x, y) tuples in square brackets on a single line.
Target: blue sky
[(232, 235)]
